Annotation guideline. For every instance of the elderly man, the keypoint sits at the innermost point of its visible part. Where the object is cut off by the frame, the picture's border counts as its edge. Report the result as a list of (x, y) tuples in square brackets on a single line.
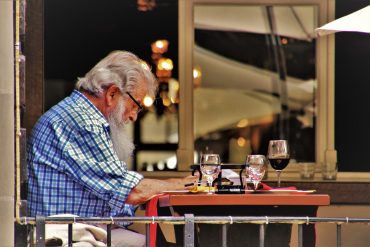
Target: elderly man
[(77, 149)]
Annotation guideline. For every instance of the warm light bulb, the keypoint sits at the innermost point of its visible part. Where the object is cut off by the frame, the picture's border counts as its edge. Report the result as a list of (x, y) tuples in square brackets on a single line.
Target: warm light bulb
[(197, 76), (166, 101), (160, 46), (165, 64), (241, 141), (145, 5), (197, 73), (148, 101)]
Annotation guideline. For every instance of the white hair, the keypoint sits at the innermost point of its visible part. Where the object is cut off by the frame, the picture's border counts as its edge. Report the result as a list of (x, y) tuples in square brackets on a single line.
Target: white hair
[(122, 68)]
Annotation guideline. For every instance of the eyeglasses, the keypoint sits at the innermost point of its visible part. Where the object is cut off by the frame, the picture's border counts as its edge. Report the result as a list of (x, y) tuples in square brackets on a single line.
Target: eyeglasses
[(139, 107)]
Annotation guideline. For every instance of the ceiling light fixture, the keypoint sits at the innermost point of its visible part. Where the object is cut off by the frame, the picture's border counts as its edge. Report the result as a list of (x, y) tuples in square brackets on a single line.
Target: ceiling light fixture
[(145, 5)]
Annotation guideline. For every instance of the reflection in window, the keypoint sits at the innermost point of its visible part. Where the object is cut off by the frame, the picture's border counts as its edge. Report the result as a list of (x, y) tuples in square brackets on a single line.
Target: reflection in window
[(156, 161), (159, 129), (258, 79)]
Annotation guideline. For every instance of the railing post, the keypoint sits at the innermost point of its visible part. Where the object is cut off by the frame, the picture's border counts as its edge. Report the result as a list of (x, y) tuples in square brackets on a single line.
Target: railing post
[(300, 235), (109, 235), (40, 231), (147, 234), (70, 234), (339, 235), (31, 235), (224, 235), (262, 235), (189, 230)]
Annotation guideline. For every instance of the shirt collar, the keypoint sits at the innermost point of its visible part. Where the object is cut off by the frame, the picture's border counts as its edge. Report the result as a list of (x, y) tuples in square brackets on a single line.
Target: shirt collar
[(84, 102)]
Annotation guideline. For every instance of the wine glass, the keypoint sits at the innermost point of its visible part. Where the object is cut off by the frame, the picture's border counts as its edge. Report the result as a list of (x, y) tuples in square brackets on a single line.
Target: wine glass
[(256, 166), (278, 155), (210, 166)]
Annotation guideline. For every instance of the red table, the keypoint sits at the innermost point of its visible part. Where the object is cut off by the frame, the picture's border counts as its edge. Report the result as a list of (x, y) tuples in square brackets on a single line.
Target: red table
[(244, 199), (258, 204)]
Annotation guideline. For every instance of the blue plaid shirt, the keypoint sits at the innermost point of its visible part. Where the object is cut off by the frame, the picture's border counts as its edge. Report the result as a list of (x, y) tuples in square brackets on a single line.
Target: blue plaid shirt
[(72, 166)]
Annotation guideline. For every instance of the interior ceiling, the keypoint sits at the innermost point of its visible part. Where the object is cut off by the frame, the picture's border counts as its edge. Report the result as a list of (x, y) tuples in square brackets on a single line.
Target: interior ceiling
[(79, 33)]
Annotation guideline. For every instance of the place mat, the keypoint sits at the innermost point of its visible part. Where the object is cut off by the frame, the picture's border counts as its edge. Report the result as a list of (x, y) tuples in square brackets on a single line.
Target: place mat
[(199, 189), (281, 191), (272, 191)]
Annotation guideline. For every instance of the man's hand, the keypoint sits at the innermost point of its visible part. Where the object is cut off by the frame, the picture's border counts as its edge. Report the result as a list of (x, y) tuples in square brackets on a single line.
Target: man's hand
[(191, 182), (147, 188)]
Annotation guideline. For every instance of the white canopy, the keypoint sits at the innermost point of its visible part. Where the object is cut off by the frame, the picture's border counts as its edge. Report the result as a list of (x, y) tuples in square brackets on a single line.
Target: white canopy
[(291, 21), (358, 21), (217, 109), (221, 72)]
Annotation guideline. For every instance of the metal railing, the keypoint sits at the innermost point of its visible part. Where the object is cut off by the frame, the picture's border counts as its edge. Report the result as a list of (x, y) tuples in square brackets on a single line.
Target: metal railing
[(188, 221)]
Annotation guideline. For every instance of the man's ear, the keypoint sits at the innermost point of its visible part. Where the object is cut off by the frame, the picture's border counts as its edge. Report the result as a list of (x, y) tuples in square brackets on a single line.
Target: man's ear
[(112, 95)]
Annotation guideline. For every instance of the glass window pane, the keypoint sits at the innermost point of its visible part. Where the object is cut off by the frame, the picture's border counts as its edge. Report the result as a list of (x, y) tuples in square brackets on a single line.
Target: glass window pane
[(255, 84), (156, 161)]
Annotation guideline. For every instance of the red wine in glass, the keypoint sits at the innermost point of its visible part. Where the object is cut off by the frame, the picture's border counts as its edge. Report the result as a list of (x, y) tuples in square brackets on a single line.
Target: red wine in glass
[(278, 155), (279, 164)]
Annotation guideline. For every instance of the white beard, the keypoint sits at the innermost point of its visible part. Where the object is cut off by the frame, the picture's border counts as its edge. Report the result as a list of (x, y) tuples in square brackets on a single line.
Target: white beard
[(122, 144)]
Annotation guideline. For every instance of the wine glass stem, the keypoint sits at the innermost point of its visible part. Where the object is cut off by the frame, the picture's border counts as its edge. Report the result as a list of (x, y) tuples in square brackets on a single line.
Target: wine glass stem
[(210, 181), (278, 172), (256, 185)]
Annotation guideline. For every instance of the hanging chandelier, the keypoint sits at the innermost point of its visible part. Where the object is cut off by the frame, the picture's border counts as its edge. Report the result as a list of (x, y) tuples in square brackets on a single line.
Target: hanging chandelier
[(145, 5)]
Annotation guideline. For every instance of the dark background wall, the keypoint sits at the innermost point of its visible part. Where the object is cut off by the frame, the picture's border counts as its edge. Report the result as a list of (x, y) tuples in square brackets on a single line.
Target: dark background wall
[(352, 93), (80, 33)]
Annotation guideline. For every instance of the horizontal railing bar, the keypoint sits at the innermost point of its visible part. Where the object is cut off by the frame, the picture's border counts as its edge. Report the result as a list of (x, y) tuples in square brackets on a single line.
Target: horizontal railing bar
[(198, 219)]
